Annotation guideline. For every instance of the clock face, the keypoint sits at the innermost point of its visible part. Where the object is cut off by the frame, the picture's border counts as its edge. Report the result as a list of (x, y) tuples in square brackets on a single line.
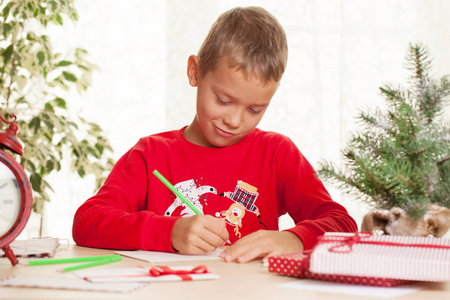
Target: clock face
[(10, 199)]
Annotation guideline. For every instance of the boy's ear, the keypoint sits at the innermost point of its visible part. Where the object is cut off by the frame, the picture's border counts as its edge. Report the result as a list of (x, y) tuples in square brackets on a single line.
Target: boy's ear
[(193, 70)]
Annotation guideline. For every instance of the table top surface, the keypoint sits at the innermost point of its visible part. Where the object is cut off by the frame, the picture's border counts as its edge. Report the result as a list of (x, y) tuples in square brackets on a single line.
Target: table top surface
[(237, 281)]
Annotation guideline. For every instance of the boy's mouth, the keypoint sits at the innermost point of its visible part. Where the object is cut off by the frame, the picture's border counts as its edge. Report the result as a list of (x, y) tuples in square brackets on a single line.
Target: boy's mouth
[(223, 132)]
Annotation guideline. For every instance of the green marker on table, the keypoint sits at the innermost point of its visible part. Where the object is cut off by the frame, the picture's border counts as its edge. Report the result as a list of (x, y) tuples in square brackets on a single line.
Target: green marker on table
[(92, 262), (68, 260), (95, 263), (177, 192)]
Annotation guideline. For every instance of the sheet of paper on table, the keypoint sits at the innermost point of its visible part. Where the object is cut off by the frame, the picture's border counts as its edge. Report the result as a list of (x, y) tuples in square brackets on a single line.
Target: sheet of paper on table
[(64, 283), (136, 275), (157, 257), (351, 289)]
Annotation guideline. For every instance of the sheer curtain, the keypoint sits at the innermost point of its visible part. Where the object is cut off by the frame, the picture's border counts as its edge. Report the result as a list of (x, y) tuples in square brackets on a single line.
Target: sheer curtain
[(340, 52)]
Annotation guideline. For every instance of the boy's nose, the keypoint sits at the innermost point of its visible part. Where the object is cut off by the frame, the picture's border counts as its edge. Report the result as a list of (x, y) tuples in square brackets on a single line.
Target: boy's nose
[(234, 118)]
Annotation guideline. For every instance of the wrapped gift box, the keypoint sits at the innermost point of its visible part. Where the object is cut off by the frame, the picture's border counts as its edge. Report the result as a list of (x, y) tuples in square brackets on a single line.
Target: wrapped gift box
[(364, 258), (297, 265)]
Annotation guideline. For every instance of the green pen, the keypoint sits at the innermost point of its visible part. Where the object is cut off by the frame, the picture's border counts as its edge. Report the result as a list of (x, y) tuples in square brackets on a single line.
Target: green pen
[(68, 260), (116, 258), (176, 192)]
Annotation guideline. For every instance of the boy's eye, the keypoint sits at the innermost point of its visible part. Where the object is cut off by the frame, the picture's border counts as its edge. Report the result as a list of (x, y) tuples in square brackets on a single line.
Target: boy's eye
[(221, 100), (254, 111)]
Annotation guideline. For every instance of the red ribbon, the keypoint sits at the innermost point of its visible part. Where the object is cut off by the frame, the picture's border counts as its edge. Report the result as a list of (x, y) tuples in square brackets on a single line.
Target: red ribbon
[(347, 242), (184, 274)]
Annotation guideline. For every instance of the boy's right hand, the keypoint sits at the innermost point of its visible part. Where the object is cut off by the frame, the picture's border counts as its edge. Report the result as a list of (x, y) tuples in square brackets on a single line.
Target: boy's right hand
[(198, 234)]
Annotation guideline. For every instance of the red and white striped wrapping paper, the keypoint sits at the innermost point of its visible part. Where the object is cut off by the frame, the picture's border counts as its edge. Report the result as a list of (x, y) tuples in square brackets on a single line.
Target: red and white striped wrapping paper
[(385, 256), (364, 258)]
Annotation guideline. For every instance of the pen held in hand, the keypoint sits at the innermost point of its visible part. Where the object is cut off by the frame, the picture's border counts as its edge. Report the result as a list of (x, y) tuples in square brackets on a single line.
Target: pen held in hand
[(176, 192)]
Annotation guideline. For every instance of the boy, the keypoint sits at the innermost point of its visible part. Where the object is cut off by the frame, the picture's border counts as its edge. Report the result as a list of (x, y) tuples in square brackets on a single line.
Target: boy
[(241, 178)]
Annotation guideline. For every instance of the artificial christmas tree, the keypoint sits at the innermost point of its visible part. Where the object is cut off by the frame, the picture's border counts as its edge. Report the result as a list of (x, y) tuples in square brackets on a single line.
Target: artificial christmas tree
[(399, 162)]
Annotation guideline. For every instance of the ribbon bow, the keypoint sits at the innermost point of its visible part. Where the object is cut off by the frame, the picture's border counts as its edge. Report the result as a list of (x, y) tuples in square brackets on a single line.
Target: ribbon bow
[(183, 274), (346, 243)]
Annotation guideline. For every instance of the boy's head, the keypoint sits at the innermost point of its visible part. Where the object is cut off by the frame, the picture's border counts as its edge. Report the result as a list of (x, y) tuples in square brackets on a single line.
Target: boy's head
[(252, 40), (237, 72)]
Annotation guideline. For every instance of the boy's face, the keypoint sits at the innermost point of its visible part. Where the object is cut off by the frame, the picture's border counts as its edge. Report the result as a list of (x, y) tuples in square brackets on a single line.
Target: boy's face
[(229, 105)]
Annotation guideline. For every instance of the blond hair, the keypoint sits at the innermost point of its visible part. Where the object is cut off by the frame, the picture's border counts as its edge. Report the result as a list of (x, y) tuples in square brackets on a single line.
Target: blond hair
[(252, 40)]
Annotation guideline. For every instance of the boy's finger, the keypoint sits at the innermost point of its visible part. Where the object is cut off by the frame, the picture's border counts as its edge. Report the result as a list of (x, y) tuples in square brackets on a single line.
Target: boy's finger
[(212, 238), (199, 245), (233, 252), (218, 227), (251, 254), (242, 257)]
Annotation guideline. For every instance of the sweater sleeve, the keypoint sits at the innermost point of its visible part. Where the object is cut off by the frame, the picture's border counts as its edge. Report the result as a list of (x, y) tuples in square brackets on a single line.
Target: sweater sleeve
[(116, 217), (306, 200)]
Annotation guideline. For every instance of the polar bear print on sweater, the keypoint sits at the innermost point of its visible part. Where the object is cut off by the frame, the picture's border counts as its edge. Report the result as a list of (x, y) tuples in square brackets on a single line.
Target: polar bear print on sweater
[(192, 192)]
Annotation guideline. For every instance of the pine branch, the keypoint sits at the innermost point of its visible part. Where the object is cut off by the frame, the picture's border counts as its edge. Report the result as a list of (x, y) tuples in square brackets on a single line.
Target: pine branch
[(400, 157)]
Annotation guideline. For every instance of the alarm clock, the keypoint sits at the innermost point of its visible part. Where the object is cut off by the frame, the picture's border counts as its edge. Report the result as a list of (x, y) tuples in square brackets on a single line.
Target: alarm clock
[(16, 199)]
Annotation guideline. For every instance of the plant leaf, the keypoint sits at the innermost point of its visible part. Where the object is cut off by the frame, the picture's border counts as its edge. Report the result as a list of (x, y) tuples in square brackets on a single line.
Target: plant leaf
[(63, 63), (69, 76), (60, 102), (36, 182), (5, 12), (7, 53), (41, 57), (6, 29)]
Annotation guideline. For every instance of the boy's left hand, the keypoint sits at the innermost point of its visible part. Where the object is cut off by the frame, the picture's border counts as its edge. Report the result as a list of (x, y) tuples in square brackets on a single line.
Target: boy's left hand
[(262, 244)]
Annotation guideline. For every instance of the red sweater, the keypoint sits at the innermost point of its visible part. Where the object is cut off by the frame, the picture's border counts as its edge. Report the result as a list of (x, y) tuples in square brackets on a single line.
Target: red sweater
[(249, 184)]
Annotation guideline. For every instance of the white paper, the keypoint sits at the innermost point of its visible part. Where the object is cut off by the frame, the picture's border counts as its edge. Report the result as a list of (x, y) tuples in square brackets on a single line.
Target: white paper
[(156, 256), (351, 289), (52, 282), (136, 275)]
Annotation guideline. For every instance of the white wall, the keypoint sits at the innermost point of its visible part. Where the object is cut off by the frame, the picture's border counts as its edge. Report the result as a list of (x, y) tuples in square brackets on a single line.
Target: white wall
[(340, 52)]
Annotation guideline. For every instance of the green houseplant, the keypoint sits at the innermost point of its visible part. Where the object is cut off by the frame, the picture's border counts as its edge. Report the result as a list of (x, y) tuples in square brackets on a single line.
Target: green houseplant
[(34, 82), (399, 162)]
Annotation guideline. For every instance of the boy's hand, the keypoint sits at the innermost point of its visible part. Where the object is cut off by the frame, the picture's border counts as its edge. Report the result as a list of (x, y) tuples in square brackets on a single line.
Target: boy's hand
[(262, 244), (198, 234)]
